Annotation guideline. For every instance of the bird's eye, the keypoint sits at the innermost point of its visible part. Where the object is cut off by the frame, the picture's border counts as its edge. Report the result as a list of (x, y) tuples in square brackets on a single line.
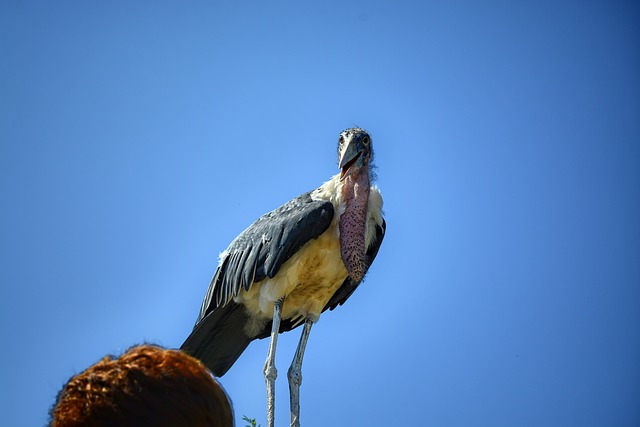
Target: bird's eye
[(366, 140)]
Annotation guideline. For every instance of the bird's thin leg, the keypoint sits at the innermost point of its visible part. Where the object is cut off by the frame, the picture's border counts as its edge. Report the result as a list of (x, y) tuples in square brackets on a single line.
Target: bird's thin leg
[(270, 371), (295, 374)]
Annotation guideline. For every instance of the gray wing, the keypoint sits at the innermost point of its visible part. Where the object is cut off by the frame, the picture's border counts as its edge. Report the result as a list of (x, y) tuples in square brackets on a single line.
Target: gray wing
[(348, 286), (260, 250)]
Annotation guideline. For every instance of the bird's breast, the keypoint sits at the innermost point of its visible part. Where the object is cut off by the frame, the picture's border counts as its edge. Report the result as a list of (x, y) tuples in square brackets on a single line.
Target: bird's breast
[(308, 280)]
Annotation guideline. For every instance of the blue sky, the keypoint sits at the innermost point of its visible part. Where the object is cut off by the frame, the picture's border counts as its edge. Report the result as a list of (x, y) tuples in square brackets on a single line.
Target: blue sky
[(139, 139)]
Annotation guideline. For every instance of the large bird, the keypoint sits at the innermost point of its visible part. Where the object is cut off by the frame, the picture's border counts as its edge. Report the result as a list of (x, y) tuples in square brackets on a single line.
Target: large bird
[(289, 266)]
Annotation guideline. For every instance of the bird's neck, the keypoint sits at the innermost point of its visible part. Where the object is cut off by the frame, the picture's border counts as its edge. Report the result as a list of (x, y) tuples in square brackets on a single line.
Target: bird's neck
[(352, 224)]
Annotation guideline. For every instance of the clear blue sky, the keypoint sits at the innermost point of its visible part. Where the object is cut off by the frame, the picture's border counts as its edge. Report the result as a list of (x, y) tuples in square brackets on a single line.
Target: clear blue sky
[(139, 139)]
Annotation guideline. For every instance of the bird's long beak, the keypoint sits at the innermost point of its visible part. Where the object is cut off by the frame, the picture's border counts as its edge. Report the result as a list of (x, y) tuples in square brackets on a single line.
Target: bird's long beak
[(352, 158)]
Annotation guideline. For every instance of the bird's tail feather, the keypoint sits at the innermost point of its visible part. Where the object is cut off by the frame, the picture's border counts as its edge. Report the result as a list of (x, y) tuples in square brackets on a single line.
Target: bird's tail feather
[(219, 339)]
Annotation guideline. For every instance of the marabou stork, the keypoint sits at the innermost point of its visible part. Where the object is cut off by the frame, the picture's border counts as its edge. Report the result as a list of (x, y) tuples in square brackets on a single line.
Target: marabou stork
[(289, 266)]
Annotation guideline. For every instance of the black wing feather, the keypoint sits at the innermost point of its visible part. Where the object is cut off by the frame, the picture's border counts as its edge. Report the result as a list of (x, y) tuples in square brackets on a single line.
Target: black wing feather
[(261, 249), (220, 339)]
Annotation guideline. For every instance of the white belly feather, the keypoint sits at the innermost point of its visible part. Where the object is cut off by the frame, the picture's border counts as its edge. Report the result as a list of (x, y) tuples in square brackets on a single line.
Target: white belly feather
[(308, 280)]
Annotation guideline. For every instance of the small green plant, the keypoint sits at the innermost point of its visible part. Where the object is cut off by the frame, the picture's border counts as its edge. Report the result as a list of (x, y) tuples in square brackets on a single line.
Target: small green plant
[(251, 421)]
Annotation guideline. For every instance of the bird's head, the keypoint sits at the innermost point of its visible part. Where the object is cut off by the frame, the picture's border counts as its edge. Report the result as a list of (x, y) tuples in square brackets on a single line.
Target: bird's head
[(354, 152)]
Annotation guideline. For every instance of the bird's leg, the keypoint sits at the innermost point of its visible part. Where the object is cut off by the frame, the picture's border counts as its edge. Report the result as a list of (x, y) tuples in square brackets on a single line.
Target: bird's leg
[(295, 374), (270, 371)]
